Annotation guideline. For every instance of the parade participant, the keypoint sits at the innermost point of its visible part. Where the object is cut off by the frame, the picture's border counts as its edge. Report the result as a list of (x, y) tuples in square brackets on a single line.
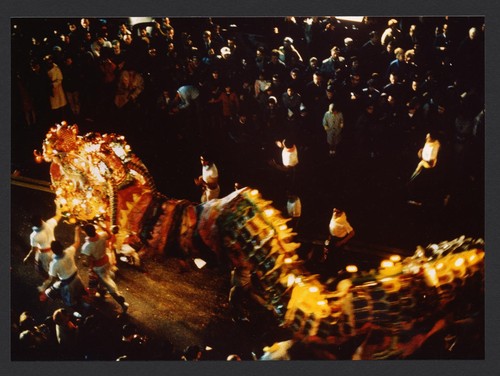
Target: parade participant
[(209, 179), (289, 160), (64, 281), (94, 249), (289, 154), (428, 155), (294, 209), (40, 239), (340, 233)]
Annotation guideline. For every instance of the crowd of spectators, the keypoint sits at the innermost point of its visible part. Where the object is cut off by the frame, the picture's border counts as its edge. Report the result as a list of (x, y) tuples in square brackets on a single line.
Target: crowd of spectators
[(384, 75)]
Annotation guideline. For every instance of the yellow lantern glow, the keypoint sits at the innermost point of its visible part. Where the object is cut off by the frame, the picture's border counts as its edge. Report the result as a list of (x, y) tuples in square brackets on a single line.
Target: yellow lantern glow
[(387, 264), (459, 262), (395, 258), (430, 276), (351, 268), (269, 212)]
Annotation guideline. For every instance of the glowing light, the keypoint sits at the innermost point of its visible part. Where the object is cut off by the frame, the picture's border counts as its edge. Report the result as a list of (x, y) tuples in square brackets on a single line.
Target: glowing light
[(254, 192), (62, 201), (472, 258), (91, 148), (385, 280), (199, 263), (313, 289), (76, 201), (415, 269), (395, 258), (291, 280), (288, 260), (439, 266), (431, 278), (269, 212), (420, 252), (351, 268), (321, 302), (386, 264), (119, 151), (283, 227), (459, 262)]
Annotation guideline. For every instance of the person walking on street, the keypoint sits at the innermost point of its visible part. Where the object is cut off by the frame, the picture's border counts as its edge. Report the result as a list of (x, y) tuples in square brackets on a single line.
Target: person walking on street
[(94, 250), (40, 240), (63, 281)]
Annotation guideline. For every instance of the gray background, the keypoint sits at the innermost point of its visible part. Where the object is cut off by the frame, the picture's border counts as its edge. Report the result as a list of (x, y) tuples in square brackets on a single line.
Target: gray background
[(218, 8)]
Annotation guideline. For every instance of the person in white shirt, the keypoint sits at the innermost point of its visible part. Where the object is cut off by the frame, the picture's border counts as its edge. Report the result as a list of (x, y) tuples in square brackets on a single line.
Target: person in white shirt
[(64, 281), (340, 233), (40, 239), (340, 229), (428, 155), (289, 160), (94, 251), (289, 154), (209, 179)]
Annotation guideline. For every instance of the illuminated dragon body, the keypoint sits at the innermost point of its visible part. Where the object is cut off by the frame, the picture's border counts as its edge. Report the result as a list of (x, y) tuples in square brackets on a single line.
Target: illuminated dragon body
[(382, 314)]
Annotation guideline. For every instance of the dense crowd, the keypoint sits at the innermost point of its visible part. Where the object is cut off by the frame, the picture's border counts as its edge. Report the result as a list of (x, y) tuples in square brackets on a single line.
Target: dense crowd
[(383, 75), (236, 86)]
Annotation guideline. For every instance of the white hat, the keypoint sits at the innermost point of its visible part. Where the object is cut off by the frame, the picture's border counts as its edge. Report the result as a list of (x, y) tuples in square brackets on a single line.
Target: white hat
[(225, 51)]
